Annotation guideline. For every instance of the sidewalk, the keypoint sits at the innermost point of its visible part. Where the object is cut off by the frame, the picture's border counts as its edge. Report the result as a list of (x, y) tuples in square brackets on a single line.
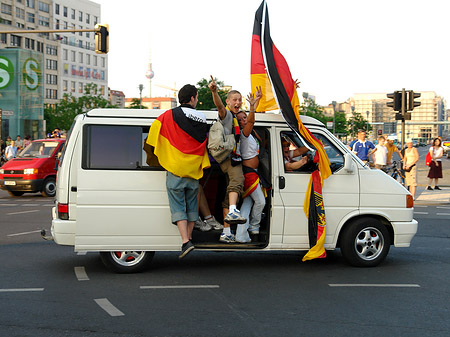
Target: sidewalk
[(424, 196)]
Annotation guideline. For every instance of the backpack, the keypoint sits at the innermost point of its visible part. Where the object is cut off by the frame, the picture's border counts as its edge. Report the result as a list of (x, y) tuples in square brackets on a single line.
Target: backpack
[(219, 144)]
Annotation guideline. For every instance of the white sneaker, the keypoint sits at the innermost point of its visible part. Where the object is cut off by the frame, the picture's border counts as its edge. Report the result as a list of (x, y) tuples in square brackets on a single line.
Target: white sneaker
[(235, 218), (202, 225), (214, 223)]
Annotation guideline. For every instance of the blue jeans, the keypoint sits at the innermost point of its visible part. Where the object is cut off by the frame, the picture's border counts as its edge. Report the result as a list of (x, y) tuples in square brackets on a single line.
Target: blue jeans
[(255, 203), (182, 194)]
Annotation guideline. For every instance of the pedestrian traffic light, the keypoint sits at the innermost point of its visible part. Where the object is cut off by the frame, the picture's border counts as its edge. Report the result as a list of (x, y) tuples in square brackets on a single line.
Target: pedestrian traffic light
[(396, 104), (101, 39), (411, 103)]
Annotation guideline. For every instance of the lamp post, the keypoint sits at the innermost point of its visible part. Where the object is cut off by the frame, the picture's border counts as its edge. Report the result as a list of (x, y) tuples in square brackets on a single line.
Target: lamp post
[(367, 113), (141, 87), (334, 117)]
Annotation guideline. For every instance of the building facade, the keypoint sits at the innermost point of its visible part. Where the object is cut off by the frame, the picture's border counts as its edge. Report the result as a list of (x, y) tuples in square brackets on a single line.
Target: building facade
[(164, 103)]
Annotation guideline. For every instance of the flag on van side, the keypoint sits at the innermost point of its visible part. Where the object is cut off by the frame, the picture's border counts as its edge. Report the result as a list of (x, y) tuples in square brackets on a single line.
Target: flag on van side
[(179, 143), (270, 70)]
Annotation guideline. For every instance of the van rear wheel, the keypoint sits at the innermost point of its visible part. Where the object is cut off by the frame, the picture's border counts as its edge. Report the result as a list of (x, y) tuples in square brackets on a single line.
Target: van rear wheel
[(365, 243), (127, 261), (49, 189)]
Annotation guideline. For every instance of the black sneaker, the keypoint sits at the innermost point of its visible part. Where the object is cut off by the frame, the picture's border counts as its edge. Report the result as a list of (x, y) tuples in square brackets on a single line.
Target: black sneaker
[(186, 248), (429, 188), (437, 188)]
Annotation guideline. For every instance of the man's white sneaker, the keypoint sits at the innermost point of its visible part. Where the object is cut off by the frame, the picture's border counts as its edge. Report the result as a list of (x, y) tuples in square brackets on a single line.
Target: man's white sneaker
[(214, 223), (228, 238), (235, 218), (202, 225)]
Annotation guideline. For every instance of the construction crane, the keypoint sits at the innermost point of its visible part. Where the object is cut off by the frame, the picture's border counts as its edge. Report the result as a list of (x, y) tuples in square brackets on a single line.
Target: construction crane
[(174, 89)]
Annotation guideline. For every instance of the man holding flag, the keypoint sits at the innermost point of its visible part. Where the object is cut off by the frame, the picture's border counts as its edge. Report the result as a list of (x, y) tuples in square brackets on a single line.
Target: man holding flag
[(178, 139)]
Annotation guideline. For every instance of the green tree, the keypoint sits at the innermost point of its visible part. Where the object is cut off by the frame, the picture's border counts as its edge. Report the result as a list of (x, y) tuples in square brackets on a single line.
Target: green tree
[(356, 122), (136, 104), (205, 100), (62, 115)]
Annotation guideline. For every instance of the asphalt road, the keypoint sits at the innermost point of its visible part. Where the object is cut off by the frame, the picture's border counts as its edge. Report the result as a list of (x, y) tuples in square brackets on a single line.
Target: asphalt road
[(49, 290)]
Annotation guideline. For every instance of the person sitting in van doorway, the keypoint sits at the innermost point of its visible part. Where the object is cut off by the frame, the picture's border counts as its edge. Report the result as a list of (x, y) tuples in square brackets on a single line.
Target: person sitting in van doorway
[(291, 157), (178, 139), (362, 147), (231, 167), (254, 198)]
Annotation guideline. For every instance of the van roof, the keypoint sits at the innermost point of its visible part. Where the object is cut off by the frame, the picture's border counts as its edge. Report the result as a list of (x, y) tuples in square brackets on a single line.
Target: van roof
[(210, 115)]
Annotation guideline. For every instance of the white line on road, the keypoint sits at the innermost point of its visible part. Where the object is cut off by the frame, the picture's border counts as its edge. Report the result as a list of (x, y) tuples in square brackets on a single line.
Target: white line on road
[(108, 307), (48, 205), (20, 290), (23, 212), (444, 207), (24, 233), (80, 273), (420, 212), (8, 204), (417, 206), (445, 214), (206, 286), (387, 285), (82, 253)]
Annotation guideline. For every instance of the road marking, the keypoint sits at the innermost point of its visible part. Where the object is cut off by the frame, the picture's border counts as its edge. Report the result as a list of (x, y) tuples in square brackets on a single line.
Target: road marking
[(24, 233), (23, 212), (420, 212), (81, 253), (444, 207), (206, 286), (108, 307), (20, 290), (446, 214), (80, 273), (387, 285), (48, 205), (416, 206), (8, 204)]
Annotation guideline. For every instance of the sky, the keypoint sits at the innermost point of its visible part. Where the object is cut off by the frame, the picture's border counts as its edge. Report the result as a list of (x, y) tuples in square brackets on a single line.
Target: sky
[(335, 48)]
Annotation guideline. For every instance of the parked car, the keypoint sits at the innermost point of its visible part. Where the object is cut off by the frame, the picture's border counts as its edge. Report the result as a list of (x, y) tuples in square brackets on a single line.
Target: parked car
[(34, 169), (446, 146)]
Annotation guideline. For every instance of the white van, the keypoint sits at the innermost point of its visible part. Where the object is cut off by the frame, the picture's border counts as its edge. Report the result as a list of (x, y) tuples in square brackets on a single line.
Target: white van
[(109, 200)]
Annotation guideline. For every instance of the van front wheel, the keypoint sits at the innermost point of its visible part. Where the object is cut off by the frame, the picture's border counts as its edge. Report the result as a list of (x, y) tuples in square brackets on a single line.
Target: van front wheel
[(49, 189), (365, 243), (127, 262)]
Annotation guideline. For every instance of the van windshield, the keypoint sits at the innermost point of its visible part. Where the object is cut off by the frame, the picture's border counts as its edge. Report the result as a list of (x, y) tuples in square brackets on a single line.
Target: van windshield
[(38, 149)]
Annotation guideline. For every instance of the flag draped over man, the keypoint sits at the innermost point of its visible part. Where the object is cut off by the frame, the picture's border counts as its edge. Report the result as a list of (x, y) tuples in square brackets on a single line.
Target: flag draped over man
[(270, 70)]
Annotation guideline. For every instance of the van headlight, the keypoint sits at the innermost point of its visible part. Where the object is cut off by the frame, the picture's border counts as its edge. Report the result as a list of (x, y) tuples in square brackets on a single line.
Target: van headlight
[(30, 171), (2, 171)]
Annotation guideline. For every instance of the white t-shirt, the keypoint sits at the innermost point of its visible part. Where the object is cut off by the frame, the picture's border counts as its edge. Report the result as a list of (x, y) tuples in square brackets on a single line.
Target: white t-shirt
[(194, 114), (380, 155), (249, 146)]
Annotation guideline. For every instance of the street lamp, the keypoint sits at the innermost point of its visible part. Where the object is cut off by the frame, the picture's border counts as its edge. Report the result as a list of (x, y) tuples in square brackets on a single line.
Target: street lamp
[(334, 117), (141, 87), (367, 113)]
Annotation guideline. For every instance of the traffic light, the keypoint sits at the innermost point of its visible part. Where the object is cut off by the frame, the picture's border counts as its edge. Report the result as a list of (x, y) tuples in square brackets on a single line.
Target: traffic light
[(411, 103), (396, 104), (102, 39)]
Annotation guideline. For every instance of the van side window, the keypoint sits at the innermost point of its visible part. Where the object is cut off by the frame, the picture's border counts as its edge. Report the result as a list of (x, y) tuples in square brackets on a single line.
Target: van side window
[(112, 147), (290, 139)]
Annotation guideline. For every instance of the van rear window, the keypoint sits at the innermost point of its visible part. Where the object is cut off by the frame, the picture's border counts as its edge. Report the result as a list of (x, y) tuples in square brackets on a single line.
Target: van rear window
[(112, 147)]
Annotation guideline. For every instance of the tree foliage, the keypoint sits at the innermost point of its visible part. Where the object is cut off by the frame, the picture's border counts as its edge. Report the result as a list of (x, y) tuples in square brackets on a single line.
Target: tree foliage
[(356, 122), (136, 104), (205, 100), (62, 115)]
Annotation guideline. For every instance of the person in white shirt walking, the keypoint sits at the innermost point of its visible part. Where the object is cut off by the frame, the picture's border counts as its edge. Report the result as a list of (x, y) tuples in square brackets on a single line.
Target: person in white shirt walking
[(380, 154), (11, 150)]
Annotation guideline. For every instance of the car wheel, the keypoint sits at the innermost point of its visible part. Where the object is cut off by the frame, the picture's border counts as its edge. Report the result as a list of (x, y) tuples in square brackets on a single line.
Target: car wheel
[(127, 262), (365, 243), (15, 193), (49, 189)]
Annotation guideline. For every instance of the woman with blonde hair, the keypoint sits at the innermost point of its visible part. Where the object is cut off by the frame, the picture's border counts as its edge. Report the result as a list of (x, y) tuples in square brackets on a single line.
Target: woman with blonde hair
[(409, 165)]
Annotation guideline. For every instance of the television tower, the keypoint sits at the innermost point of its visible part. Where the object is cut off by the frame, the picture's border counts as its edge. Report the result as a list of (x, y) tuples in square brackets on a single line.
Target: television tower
[(149, 74)]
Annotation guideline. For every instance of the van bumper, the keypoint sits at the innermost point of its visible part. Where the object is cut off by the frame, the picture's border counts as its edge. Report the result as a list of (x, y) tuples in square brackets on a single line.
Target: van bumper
[(63, 231), (404, 232), (22, 185)]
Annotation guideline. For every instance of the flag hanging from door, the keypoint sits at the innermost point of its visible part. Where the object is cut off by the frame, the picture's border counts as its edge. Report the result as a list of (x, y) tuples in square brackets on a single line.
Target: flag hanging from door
[(270, 70)]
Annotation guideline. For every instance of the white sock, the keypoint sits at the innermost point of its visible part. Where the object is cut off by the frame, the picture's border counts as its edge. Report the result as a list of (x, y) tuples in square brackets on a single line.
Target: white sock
[(208, 217), (227, 230), (232, 208)]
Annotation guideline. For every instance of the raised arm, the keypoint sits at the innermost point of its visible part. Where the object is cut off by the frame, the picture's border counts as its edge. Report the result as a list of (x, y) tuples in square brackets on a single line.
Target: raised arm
[(216, 98), (253, 100)]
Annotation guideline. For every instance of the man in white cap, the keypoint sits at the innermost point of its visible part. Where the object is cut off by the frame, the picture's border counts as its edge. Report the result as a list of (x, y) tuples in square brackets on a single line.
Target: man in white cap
[(391, 149)]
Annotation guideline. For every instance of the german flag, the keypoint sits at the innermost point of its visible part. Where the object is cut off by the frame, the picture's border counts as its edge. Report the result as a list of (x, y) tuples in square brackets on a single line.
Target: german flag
[(270, 67), (179, 143)]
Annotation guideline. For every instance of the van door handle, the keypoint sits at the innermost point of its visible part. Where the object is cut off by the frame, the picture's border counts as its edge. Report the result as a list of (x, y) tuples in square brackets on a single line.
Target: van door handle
[(73, 189), (281, 182)]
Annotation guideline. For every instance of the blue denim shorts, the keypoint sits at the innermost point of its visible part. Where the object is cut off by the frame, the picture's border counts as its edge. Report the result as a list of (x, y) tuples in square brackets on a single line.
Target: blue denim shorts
[(182, 194)]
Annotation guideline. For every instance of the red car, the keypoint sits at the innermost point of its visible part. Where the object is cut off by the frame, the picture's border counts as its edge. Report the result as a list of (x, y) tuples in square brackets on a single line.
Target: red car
[(34, 169)]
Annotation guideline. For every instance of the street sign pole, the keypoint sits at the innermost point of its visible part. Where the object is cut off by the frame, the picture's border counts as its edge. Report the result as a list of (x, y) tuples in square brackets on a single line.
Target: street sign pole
[(403, 116)]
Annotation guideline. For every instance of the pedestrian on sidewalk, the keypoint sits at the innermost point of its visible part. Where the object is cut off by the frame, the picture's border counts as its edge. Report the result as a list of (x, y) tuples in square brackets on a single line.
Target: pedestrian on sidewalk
[(409, 165), (435, 172)]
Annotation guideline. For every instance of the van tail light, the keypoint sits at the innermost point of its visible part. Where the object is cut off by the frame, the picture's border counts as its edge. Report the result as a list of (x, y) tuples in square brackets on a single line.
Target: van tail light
[(409, 201), (63, 211)]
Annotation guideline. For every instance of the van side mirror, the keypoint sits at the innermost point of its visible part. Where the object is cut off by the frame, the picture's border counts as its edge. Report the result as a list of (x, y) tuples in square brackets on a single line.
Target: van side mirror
[(349, 166)]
